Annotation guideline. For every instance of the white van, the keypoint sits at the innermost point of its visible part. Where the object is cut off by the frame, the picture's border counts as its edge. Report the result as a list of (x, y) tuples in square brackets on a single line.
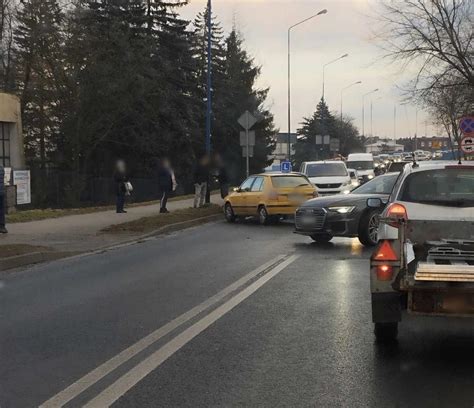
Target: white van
[(364, 164), (329, 177)]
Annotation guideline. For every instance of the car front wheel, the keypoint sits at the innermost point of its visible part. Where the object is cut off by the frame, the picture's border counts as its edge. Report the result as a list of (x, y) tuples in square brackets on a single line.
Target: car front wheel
[(229, 213), (369, 228)]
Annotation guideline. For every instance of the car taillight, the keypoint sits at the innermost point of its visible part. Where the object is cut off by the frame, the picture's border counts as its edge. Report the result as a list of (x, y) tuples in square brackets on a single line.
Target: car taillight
[(397, 212), (384, 272), (385, 252)]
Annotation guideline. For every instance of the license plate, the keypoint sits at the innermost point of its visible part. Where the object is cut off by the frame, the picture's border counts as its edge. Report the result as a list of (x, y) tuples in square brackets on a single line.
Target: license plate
[(308, 219)]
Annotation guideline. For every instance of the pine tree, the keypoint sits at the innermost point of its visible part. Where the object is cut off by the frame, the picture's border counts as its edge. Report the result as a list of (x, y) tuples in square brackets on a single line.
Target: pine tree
[(200, 50), (322, 123), (176, 98), (39, 43), (237, 94)]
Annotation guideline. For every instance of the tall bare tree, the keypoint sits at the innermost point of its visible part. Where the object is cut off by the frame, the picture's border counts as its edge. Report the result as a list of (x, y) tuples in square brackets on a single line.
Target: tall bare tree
[(437, 36)]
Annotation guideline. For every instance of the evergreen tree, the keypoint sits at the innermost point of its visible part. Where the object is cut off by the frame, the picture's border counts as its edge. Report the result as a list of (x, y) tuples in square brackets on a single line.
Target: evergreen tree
[(39, 42), (237, 94), (200, 49), (110, 64), (322, 123), (175, 99)]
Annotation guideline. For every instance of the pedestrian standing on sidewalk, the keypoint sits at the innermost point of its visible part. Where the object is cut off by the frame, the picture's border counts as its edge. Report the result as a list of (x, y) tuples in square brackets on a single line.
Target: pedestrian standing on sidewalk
[(222, 175), (121, 180), (166, 182), (201, 178), (3, 229)]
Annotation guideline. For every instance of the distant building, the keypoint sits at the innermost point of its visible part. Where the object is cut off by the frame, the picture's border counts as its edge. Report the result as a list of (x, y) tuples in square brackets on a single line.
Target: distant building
[(281, 148), (11, 135), (383, 146)]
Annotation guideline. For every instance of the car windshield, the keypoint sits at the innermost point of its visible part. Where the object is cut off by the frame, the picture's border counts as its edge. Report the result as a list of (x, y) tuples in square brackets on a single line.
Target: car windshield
[(379, 185), (453, 187), (290, 181), (361, 165), (326, 170)]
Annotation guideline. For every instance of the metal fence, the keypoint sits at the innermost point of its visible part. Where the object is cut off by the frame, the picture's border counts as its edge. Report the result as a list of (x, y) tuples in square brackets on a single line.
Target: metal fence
[(60, 189)]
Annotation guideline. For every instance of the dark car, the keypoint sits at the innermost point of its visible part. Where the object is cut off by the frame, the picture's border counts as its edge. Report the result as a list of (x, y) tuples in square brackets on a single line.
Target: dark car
[(345, 215)]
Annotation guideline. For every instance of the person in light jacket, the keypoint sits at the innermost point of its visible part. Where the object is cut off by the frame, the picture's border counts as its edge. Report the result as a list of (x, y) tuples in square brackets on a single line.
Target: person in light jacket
[(201, 178)]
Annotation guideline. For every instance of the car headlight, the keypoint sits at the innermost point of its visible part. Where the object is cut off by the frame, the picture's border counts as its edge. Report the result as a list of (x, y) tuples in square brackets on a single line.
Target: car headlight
[(342, 210), (370, 176), (347, 183)]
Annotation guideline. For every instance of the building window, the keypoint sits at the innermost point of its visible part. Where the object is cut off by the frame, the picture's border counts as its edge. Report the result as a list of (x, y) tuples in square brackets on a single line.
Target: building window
[(5, 144)]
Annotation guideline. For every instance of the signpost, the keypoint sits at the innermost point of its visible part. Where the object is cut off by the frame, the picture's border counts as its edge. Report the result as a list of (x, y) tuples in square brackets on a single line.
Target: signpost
[(22, 180), (466, 125), (334, 145), (247, 138), (286, 167), (467, 144)]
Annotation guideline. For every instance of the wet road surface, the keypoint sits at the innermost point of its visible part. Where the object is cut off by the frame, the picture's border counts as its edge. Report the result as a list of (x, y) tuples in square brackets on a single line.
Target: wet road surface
[(298, 333)]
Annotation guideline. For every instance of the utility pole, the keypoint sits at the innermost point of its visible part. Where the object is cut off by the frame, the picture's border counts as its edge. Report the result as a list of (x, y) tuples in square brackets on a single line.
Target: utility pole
[(209, 92), (289, 73)]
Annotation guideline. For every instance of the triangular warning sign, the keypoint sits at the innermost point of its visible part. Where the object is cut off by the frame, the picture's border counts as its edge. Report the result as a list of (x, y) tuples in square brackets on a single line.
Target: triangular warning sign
[(385, 253)]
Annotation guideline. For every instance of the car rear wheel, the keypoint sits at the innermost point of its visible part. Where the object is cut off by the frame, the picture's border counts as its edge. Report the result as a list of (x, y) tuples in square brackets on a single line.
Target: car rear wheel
[(263, 217), (321, 238), (229, 213), (369, 228), (386, 332)]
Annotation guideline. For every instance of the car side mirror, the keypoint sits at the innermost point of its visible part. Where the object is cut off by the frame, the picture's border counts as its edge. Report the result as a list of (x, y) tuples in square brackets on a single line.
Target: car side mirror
[(375, 203)]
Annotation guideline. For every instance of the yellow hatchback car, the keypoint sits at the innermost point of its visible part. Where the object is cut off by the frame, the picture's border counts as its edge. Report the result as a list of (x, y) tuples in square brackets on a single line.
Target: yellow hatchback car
[(269, 196)]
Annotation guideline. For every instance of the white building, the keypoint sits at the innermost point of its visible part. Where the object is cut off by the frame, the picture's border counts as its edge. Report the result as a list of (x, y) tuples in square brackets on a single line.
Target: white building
[(384, 146), (11, 135)]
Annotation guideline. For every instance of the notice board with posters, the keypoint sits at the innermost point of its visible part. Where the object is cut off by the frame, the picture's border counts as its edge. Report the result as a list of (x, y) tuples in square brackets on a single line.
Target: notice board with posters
[(22, 181)]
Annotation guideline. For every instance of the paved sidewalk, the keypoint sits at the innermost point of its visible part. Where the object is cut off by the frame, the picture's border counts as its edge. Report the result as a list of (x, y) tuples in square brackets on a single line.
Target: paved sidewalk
[(82, 232)]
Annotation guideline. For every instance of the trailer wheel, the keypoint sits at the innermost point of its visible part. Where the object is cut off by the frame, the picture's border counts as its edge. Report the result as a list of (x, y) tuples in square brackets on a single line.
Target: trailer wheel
[(386, 332)]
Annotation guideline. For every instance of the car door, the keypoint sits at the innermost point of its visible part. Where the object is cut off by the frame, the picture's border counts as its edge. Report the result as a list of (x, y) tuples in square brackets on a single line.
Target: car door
[(254, 197), (239, 201)]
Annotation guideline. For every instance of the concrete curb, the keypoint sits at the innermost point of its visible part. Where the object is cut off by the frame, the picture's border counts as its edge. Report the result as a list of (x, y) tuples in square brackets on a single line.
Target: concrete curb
[(49, 256)]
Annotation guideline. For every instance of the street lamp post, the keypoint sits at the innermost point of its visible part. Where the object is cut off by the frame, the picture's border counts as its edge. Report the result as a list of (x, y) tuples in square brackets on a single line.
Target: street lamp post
[(347, 87), (372, 116), (289, 74), (324, 69), (363, 109)]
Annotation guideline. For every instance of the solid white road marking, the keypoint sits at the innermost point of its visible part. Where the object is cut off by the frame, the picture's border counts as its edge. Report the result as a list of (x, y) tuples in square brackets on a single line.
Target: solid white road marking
[(100, 372), (112, 393)]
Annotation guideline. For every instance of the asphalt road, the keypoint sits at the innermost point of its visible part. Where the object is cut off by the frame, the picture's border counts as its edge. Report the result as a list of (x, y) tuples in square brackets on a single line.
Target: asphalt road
[(293, 331)]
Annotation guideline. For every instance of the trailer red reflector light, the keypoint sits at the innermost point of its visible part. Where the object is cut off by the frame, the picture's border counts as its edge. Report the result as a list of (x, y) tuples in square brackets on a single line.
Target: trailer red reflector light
[(385, 253), (384, 273)]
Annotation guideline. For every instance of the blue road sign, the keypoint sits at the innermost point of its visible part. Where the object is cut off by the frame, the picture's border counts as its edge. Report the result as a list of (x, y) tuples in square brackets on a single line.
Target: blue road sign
[(286, 167), (467, 126)]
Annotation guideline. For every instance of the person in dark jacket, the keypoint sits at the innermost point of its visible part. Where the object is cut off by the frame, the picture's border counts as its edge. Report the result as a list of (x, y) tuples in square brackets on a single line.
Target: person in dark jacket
[(3, 229), (222, 175), (201, 178), (120, 178), (166, 182)]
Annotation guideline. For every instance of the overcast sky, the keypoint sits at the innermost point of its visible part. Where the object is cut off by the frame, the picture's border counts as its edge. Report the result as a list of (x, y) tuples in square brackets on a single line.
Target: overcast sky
[(346, 28)]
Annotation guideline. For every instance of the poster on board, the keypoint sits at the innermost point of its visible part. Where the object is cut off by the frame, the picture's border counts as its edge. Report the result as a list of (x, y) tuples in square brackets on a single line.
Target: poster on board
[(22, 181)]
